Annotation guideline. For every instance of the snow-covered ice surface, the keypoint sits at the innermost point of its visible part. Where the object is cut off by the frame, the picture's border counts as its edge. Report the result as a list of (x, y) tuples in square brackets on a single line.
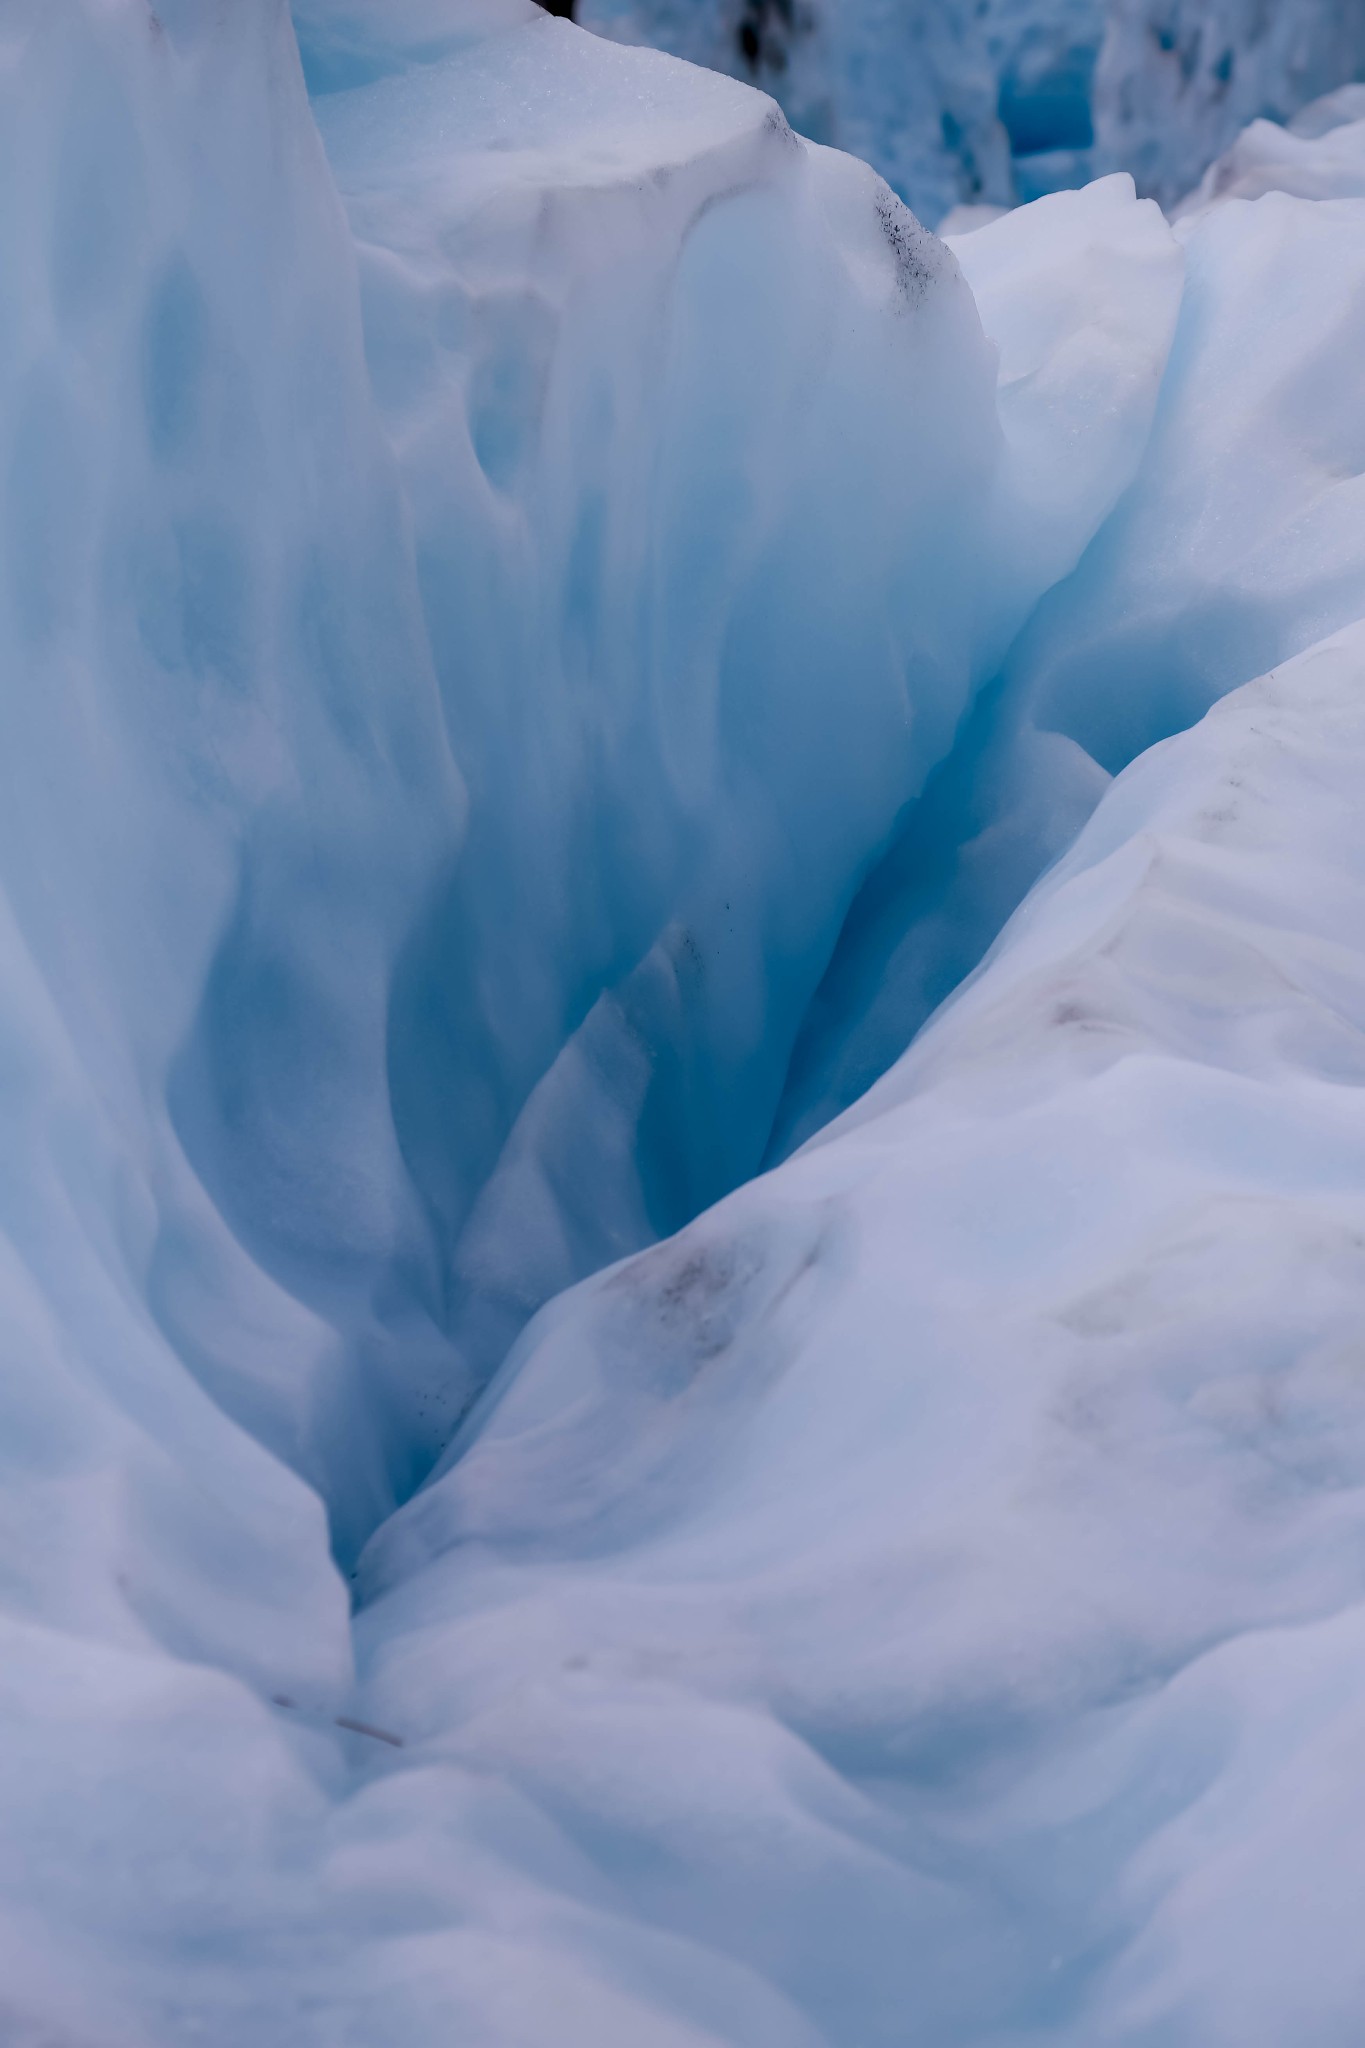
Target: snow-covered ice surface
[(933, 1581), (1001, 100), (545, 623)]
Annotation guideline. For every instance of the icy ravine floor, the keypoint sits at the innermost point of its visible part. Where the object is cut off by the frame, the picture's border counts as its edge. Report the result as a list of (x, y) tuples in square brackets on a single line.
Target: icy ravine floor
[(920, 1601)]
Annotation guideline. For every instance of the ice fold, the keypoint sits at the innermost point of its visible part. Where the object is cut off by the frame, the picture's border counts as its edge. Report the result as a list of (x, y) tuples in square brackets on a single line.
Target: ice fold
[(720, 524)]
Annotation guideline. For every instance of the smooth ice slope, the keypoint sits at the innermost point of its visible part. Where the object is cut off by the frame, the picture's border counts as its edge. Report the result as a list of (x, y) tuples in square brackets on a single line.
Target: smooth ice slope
[(934, 1581), (1001, 100)]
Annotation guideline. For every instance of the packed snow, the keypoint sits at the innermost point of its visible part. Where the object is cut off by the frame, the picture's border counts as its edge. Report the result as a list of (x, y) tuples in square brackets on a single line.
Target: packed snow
[(562, 650)]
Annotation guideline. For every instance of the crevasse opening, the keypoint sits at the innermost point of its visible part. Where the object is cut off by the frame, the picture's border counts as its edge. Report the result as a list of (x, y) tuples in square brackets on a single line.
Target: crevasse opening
[(695, 798), (739, 788)]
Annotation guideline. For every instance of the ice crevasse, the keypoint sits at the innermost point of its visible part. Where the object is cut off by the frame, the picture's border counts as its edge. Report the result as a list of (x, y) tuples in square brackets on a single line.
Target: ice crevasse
[(546, 624)]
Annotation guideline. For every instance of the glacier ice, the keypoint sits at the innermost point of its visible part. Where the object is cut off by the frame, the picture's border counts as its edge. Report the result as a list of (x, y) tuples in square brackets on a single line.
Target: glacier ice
[(1003, 100), (944, 1502), (1240, 542), (1319, 155), (722, 598), (546, 624)]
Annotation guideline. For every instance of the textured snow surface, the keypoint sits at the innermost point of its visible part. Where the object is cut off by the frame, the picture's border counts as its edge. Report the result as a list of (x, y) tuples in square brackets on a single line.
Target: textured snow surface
[(933, 1582), (545, 625), (1000, 100)]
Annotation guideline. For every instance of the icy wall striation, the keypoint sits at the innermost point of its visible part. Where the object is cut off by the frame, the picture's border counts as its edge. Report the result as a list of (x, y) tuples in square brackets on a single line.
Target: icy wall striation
[(1005, 99), (227, 772), (493, 565), (719, 524)]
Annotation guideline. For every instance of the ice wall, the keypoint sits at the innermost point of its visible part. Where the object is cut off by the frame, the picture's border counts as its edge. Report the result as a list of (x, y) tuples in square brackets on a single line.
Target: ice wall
[(458, 684), (1006, 99), (719, 526)]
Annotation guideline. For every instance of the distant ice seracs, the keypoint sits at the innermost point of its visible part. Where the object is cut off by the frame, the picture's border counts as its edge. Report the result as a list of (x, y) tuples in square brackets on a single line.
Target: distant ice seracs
[(1319, 155), (997, 101)]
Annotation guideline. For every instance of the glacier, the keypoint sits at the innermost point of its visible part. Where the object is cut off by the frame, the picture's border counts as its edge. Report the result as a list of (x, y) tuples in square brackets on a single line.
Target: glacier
[(679, 892), (1003, 100)]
